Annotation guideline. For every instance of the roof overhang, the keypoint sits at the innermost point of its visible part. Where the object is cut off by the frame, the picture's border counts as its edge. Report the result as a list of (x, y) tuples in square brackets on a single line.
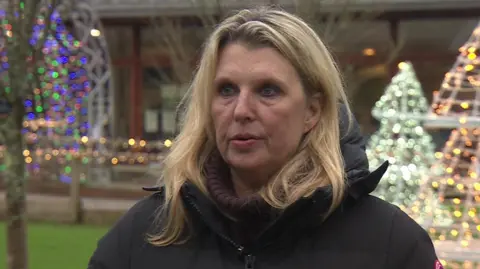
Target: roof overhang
[(143, 8)]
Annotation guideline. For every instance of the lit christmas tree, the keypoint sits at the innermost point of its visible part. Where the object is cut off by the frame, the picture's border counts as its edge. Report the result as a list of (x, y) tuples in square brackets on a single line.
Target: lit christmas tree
[(457, 103), (401, 139), (448, 204), (57, 105), (61, 101)]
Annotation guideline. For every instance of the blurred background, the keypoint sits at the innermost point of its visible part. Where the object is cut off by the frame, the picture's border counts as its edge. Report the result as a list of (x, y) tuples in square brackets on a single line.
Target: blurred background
[(90, 102)]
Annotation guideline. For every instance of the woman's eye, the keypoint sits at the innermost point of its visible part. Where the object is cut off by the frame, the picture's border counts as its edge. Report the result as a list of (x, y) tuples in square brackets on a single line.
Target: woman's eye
[(227, 90), (269, 91)]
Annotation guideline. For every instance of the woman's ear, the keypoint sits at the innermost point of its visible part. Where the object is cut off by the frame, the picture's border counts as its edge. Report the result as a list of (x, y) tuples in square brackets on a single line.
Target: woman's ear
[(312, 115)]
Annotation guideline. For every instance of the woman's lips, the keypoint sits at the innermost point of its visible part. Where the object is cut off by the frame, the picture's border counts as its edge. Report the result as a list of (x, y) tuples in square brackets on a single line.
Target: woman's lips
[(243, 143)]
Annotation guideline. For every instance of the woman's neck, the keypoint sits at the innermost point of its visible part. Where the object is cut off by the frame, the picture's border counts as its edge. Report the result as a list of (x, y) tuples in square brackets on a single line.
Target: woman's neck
[(232, 195), (246, 183), (249, 213)]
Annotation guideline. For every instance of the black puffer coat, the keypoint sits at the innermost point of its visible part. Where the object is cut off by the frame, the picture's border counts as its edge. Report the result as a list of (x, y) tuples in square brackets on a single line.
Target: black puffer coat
[(363, 233)]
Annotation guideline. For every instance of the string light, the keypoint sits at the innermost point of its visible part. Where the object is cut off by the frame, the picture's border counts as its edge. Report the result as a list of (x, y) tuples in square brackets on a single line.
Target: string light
[(41, 151), (403, 98), (114, 152), (62, 84), (400, 139), (457, 103), (449, 201), (56, 121)]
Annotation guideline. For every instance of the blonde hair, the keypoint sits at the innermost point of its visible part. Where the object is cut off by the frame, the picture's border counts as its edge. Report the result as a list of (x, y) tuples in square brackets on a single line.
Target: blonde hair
[(318, 161)]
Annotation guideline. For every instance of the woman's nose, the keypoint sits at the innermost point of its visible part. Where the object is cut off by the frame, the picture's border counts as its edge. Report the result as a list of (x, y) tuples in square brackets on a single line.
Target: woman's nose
[(244, 106)]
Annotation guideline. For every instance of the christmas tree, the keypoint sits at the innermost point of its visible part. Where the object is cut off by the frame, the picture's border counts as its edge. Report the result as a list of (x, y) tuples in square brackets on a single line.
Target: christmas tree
[(403, 98), (457, 103), (57, 104), (448, 204), (401, 139), (61, 100)]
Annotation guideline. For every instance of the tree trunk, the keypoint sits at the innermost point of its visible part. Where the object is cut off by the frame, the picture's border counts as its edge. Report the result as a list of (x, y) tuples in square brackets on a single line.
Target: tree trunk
[(15, 179)]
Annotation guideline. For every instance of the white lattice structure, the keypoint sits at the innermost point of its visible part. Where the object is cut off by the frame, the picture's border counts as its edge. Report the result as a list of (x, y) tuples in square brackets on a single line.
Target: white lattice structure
[(94, 48), (457, 103), (88, 30), (449, 201)]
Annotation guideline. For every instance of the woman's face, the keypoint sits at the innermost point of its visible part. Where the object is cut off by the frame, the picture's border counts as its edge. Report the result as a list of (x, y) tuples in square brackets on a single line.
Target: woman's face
[(259, 109)]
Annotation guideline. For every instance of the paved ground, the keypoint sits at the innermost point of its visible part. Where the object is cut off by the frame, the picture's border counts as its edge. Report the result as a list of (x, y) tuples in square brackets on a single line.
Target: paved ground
[(51, 206), (96, 211), (88, 203)]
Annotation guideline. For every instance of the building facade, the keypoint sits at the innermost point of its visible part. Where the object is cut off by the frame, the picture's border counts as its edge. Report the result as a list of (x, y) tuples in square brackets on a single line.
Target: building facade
[(154, 44)]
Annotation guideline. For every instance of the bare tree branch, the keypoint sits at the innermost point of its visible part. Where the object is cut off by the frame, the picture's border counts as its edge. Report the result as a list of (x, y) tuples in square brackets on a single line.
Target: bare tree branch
[(182, 43), (30, 12), (11, 44), (338, 16), (362, 75), (332, 24), (396, 48), (330, 17), (37, 49), (43, 35)]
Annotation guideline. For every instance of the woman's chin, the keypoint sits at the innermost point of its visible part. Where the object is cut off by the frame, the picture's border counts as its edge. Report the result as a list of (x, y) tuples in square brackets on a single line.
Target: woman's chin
[(245, 162)]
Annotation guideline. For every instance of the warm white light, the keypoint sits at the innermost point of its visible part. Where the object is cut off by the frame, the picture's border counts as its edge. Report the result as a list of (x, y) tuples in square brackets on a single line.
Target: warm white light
[(369, 52), (402, 65), (95, 32)]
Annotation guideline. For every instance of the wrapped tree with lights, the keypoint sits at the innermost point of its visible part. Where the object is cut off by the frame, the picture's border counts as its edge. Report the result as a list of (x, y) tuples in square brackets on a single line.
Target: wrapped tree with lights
[(401, 139), (457, 102), (58, 108), (25, 28)]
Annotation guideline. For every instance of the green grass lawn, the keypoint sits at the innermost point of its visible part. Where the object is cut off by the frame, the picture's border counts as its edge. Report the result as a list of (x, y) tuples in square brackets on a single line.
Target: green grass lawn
[(54, 246)]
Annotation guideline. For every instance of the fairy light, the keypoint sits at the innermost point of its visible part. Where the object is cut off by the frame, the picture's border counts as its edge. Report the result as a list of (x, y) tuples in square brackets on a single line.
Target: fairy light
[(119, 152), (62, 88), (457, 103), (56, 120), (403, 97), (449, 202), (400, 139)]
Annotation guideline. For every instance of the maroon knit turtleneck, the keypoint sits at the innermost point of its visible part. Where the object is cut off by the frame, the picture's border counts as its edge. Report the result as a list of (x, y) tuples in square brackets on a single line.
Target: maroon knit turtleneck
[(251, 214)]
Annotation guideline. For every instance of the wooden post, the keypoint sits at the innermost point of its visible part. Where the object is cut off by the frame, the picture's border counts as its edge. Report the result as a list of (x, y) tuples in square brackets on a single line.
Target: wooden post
[(75, 202), (136, 126)]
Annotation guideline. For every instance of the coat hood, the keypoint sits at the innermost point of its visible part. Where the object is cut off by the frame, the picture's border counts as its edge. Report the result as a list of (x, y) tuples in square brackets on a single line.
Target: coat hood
[(352, 144)]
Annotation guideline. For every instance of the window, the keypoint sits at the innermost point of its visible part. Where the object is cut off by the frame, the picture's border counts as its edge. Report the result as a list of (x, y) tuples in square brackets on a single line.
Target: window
[(161, 97)]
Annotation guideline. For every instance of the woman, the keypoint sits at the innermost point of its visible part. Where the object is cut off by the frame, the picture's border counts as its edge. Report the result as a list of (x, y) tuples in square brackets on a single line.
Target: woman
[(266, 173)]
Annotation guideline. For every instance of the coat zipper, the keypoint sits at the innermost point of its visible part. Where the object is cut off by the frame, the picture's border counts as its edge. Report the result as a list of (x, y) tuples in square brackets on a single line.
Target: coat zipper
[(249, 259)]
